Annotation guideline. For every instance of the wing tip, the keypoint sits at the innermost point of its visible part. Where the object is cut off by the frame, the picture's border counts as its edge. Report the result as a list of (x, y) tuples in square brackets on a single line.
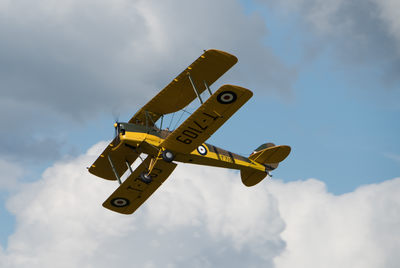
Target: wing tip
[(121, 210), (228, 55)]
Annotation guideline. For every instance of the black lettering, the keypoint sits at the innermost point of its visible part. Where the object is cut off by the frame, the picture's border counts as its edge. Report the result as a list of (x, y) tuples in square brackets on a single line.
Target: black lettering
[(198, 131), (190, 134), (133, 189), (185, 141), (202, 128), (213, 117)]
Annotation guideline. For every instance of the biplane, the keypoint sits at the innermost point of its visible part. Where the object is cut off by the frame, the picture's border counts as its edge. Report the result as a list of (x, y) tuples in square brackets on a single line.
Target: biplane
[(164, 148)]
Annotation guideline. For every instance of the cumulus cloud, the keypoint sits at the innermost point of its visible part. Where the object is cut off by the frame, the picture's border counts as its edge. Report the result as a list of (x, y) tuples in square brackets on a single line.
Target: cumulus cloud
[(189, 220), (202, 217), (357, 229), (68, 62)]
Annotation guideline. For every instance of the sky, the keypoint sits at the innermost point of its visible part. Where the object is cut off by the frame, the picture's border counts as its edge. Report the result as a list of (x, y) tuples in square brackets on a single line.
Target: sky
[(325, 77)]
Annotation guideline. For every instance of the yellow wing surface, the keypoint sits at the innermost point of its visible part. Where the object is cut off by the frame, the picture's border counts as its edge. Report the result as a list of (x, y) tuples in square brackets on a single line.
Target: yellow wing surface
[(118, 155), (207, 119), (175, 96), (179, 93), (133, 192)]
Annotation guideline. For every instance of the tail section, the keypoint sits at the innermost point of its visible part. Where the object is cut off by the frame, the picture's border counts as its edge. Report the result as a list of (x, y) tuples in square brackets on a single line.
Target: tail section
[(270, 156)]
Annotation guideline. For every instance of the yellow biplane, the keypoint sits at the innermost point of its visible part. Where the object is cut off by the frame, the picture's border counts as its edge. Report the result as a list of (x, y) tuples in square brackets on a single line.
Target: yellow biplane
[(187, 142)]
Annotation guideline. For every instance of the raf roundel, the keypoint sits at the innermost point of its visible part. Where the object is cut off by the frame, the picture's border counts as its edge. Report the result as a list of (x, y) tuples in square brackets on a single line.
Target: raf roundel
[(226, 97), (120, 202), (202, 150)]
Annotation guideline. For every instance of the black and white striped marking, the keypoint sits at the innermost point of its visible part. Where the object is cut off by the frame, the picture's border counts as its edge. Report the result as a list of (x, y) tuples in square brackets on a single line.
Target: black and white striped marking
[(226, 97), (120, 202), (202, 150)]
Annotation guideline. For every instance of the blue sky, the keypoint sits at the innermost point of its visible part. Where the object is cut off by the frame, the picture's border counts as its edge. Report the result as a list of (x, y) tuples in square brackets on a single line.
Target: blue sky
[(325, 78)]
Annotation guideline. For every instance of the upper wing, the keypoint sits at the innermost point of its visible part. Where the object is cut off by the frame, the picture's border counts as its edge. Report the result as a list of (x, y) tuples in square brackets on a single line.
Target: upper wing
[(179, 93), (207, 119), (119, 155), (132, 193)]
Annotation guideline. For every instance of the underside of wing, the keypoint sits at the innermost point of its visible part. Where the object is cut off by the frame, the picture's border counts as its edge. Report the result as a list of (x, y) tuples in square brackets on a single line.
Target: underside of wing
[(113, 156), (133, 192), (176, 95), (207, 119)]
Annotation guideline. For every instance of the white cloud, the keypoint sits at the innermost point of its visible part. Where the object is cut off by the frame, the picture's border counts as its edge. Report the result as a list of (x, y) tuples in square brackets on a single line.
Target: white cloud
[(196, 217), (202, 217), (358, 229), (68, 62), (79, 56)]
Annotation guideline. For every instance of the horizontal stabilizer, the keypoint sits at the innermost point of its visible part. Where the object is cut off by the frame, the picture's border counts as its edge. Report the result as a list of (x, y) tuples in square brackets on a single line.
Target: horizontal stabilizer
[(274, 154)]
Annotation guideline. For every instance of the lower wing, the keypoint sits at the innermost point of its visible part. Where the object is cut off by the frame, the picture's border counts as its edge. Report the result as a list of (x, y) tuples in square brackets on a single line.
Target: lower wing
[(133, 192), (113, 157)]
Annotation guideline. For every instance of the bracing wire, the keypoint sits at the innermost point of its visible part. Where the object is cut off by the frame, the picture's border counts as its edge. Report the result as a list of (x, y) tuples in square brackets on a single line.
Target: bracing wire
[(183, 111), (178, 120), (170, 122), (186, 111)]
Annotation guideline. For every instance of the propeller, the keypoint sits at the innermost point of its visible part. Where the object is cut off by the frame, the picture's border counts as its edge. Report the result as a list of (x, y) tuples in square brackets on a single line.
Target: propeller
[(116, 127), (115, 115)]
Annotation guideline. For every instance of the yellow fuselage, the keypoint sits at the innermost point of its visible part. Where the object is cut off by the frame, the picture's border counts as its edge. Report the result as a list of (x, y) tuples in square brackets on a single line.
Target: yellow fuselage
[(206, 154)]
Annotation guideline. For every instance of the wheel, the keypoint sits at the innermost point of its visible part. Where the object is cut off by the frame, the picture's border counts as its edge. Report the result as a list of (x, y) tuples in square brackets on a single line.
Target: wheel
[(168, 156), (144, 177)]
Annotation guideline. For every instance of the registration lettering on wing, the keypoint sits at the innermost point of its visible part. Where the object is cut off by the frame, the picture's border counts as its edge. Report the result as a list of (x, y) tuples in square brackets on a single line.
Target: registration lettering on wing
[(196, 127)]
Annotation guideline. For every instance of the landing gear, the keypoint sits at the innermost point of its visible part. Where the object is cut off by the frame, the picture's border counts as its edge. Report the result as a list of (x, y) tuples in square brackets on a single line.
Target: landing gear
[(145, 177), (168, 156)]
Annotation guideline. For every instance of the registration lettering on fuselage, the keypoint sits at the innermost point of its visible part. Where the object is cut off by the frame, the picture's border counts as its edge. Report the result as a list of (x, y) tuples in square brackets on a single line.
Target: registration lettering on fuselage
[(225, 158)]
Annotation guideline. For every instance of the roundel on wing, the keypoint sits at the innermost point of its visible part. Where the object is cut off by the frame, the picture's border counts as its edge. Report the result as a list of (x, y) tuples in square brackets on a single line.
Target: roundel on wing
[(120, 202), (226, 97), (202, 150)]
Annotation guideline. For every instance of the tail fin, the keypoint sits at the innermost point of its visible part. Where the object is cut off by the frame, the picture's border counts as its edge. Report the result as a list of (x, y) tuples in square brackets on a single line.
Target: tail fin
[(251, 177)]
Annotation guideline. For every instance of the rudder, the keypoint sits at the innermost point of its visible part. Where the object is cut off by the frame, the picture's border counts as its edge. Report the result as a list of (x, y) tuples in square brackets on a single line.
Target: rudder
[(251, 177)]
